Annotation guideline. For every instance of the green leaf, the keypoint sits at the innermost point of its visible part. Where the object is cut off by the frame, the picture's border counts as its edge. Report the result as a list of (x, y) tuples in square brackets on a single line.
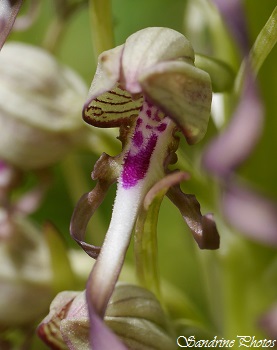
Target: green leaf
[(63, 275), (262, 47)]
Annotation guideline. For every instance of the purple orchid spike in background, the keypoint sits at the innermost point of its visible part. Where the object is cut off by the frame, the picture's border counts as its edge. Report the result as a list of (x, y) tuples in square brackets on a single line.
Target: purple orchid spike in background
[(151, 89), (250, 212), (233, 14)]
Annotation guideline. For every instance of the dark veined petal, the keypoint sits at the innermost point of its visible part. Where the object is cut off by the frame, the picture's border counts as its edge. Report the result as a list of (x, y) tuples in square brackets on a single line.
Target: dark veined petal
[(49, 329), (137, 317), (183, 92), (8, 12), (108, 104), (112, 108)]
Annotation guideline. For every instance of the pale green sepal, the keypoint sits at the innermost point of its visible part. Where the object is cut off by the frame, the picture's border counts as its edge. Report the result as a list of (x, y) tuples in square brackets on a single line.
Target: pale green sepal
[(146, 245), (62, 274), (222, 76), (183, 92), (262, 47), (265, 42), (136, 316), (149, 46), (107, 72)]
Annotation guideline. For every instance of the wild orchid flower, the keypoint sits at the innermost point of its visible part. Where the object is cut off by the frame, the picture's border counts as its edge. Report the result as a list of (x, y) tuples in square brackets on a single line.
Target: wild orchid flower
[(150, 88), (250, 212)]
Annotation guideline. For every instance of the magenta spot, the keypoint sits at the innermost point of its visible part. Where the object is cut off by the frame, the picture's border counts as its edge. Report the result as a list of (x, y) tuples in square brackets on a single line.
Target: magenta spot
[(138, 138), (149, 127), (161, 127), (156, 117), (135, 166), (139, 121), (148, 113)]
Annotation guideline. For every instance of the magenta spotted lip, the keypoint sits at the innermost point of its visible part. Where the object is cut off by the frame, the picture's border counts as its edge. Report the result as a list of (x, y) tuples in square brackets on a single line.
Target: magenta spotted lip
[(150, 125), (135, 166)]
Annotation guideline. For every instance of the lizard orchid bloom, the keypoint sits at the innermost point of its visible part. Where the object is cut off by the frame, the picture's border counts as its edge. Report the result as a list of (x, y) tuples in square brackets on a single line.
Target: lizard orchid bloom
[(150, 88)]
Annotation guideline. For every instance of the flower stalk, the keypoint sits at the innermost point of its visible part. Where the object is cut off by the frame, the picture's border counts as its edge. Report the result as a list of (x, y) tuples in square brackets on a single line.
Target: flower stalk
[(150, 91), (101, 25)]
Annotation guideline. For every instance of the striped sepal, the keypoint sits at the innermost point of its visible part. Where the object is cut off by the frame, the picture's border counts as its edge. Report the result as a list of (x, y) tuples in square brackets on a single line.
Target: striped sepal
[(112, 108)]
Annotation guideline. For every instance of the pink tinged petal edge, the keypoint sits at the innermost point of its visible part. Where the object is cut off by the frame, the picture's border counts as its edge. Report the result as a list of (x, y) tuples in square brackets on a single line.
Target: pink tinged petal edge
[(233, 15), (24, 22), (8, 12), (106, 76), (251, 213), (234, 145)]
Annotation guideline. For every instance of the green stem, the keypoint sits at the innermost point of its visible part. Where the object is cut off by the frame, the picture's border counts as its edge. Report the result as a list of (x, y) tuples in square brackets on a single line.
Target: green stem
[(54, 35), (101, 25), (146, 248), (262, 47)]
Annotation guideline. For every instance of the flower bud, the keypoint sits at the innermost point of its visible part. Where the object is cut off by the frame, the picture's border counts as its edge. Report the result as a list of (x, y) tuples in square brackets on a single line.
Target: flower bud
[(133, 313), (40, 102), (25, 275)]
